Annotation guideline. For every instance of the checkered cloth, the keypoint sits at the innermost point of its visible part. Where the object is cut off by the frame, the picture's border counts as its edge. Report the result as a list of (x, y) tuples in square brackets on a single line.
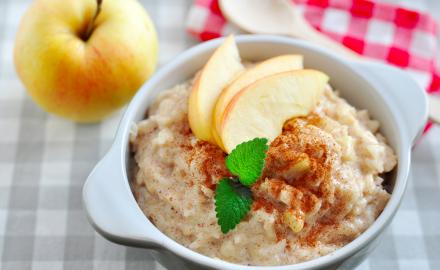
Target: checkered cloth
[(44, 161), (390, 33)]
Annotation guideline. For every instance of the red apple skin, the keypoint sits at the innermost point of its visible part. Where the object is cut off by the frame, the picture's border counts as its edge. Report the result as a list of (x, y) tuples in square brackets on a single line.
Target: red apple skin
[(84, 80)]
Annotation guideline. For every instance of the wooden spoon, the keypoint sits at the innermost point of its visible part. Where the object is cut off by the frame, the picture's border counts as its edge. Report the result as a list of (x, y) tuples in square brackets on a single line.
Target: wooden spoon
[(277, 17), (280, 17), (434, 109)]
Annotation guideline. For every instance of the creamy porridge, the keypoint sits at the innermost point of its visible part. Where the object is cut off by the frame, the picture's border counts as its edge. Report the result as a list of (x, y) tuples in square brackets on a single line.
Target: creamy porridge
[(338, 197)]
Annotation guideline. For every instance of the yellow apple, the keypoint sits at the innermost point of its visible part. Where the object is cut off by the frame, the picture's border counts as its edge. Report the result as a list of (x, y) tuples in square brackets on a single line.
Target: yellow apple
[(260, 109), (269, 67), (221, 68), (83, 62)]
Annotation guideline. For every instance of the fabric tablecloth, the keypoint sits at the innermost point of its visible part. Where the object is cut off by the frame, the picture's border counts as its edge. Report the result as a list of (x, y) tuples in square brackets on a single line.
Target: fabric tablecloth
[(44, 161)]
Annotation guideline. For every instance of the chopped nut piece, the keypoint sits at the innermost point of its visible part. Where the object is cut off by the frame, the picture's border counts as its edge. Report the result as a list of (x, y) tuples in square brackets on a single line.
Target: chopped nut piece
[(294, 219), (299, 168)]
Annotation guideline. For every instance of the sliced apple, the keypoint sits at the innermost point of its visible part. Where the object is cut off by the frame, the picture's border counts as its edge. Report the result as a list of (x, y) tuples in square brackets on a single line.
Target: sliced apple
[(220, 70), (260, 109), (266, 68)]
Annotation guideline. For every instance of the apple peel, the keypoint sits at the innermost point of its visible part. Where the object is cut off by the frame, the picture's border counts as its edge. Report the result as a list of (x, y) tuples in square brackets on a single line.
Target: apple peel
[(260, 109)]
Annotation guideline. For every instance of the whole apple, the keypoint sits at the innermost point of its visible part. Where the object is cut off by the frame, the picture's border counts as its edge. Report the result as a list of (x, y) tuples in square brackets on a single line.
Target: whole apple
[(83, 59)]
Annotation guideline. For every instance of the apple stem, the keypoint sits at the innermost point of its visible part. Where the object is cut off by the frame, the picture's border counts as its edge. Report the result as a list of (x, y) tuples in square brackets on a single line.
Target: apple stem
[(91, 25)]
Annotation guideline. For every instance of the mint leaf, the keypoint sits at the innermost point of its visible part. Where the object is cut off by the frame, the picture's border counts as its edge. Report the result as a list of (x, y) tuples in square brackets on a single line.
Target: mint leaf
[(232, 203), (247, 160)]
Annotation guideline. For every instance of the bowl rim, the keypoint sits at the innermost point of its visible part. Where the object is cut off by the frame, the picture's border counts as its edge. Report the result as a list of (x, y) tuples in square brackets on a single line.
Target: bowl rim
[(340, 254)]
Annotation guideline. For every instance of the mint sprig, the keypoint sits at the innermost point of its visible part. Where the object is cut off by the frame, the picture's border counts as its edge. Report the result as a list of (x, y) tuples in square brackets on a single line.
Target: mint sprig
[(233, 197), (247, 160), (232, 202)]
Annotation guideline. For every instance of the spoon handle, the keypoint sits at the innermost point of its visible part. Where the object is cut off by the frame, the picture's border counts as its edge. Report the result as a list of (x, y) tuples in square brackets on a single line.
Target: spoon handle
[(307, 32), (434, 109)]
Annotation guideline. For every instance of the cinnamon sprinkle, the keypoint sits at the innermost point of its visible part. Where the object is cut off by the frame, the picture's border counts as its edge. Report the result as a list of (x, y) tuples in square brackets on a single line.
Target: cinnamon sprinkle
[(212, 163), (262, 203), (300, 139)]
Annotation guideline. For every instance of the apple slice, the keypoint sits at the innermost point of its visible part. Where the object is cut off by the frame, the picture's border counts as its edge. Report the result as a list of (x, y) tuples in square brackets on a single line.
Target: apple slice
[(266, 68), (260, 109), (220, 70)]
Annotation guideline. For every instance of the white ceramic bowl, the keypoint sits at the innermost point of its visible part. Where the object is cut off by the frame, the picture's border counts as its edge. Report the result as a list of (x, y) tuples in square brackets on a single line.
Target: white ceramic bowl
[(389, 94)]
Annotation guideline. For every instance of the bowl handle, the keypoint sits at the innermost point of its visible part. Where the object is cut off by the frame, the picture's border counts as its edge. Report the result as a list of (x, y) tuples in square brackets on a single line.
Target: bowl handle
[(111, 207), (402, 90)]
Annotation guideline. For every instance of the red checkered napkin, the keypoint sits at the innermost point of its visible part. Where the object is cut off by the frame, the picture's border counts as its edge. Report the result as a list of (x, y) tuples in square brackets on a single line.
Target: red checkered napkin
[(399, 36)]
